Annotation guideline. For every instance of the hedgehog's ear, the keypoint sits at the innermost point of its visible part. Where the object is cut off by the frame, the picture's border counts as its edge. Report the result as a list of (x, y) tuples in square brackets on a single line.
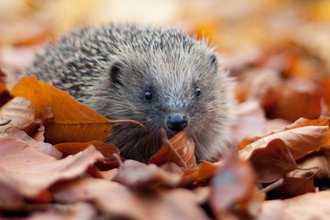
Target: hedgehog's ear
[(214, 61), (115, 72)]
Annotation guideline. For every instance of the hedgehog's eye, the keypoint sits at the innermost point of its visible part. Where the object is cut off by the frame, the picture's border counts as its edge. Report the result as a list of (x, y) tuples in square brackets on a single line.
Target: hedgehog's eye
[(148, 95), (197, 91)]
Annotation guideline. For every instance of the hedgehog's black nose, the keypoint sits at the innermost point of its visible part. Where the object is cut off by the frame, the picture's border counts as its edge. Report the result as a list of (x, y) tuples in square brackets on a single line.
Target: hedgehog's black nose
[(177, 122)]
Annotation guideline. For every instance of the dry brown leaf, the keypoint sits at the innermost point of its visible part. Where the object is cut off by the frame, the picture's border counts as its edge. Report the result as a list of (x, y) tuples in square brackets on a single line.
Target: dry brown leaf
[(118, 201), (280, 58), (39, 145), (300, 141), (275, 152), (325, 84), (31, 172), (189, 175), (45, 115), (294, 186), (262, 85), (308, 206), (108, 151), (301, 98), (37, 211), (282, 149), (267, 88), (202, 194), (73, 122), (22, 115), (94, 171), (306, 67), (233, 184), (109, 174), (72, 148), (275, 124), (3, 75), (301, 122), (180, 149), (320, 161), (250, 121), (271, 210), (138, 175), (10, 197)]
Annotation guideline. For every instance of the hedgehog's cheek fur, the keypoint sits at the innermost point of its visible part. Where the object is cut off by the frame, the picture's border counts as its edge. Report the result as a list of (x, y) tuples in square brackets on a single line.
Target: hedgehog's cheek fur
[(134, 142)]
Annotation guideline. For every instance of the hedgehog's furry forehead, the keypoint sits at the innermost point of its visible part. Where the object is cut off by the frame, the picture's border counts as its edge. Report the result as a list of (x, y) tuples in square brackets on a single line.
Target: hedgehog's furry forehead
[(148, 49)]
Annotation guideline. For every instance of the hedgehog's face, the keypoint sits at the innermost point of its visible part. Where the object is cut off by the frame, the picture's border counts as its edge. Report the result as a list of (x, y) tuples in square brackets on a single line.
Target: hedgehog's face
[(175, 93)]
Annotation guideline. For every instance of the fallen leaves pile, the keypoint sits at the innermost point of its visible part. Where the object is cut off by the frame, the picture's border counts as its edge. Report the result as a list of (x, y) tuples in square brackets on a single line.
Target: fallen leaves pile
[(72, 178), (54, 163)]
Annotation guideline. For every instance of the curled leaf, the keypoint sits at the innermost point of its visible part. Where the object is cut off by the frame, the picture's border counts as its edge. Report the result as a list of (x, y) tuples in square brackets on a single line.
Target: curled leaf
[(180, 149), (301, 122), (271, 161), (21, 115), (107, 150), (300, 141)]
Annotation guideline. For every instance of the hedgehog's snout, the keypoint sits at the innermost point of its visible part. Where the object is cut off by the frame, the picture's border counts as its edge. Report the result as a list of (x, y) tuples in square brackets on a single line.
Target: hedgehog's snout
[(176, 121)]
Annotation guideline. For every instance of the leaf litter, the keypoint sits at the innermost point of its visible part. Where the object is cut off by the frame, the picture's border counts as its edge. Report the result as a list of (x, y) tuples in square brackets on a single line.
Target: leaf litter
[(34, 172), (282, 76)]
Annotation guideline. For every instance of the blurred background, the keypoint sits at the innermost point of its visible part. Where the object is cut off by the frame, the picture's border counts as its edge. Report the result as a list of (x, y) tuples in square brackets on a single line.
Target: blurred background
[(278, 50)]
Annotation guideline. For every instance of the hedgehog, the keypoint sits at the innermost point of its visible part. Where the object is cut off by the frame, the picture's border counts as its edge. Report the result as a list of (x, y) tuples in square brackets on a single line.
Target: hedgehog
[(160, 77)]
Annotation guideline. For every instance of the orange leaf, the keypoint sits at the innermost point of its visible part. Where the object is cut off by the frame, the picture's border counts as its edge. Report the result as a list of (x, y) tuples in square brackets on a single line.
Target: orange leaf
[(179, 149), (207, 169), (72, 120), (43, 196)]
